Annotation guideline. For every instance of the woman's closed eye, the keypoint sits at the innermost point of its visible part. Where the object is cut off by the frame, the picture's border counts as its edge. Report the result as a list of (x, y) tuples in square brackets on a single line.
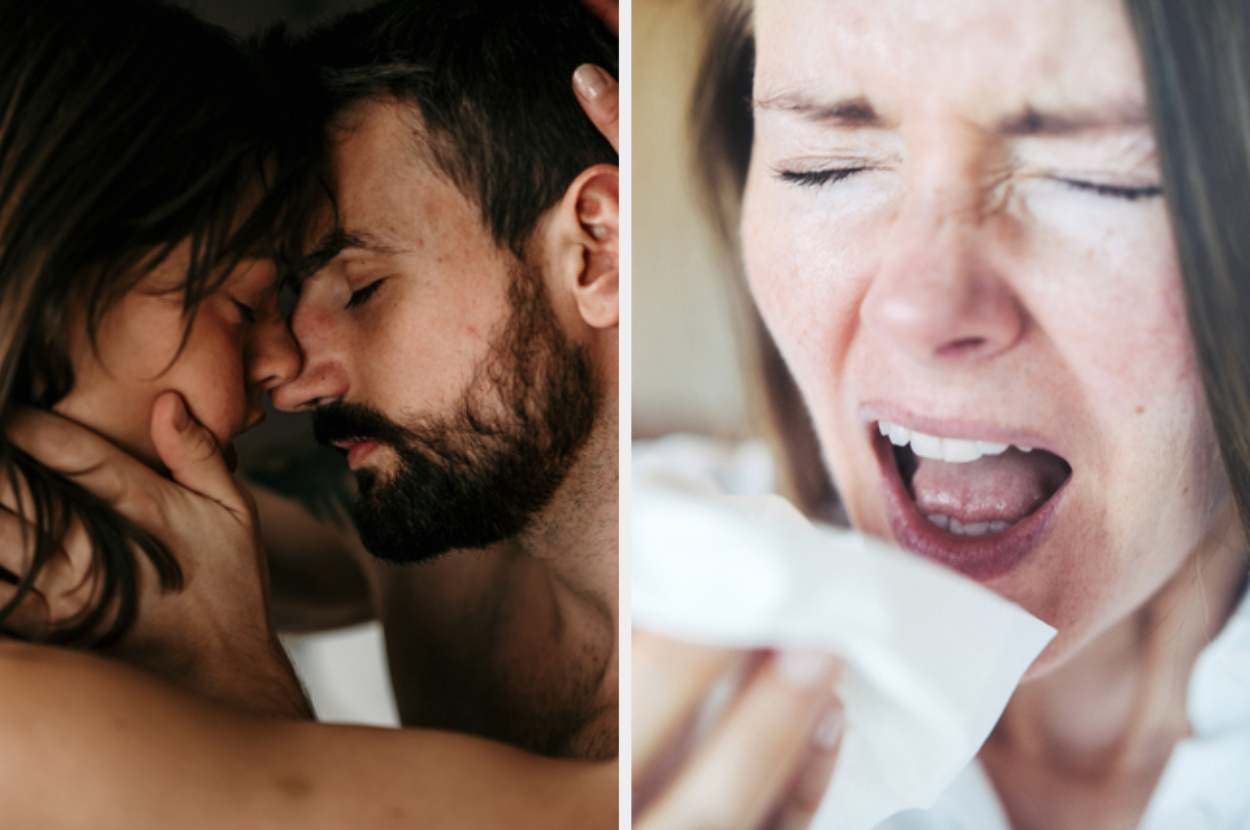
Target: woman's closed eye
[(818, 178), (246, 312), (1131, 194), (362, 295)]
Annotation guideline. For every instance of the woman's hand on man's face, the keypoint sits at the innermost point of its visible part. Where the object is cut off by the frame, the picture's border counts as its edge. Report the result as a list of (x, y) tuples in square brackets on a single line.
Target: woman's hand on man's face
[(599, 95), (214, 637), (730, 739)]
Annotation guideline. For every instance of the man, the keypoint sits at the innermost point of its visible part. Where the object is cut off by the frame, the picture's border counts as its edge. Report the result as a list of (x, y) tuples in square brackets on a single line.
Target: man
[(458, 320), (464, 355)]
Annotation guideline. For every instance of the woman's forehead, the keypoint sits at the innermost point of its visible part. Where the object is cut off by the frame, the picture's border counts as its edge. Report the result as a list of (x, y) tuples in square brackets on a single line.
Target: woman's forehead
[(987, 59)]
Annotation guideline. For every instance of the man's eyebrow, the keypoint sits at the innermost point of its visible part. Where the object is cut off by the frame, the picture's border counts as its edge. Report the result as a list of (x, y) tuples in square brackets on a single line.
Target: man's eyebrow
[(336, 242), (1035, 122), (854, 112)]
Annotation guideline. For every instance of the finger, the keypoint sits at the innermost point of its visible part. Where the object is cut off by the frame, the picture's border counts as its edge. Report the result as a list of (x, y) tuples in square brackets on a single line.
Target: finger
[(737, 777), (599, 95), (815, 771), (30, 617), (15, 493), (16, 544), (669, 680), (126, 484), (606, 10), (192, 455), (65, 584)]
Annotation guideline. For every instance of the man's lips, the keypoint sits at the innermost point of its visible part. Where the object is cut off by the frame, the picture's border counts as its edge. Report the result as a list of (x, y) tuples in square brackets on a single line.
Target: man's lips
[(981, 557), (357, 450)]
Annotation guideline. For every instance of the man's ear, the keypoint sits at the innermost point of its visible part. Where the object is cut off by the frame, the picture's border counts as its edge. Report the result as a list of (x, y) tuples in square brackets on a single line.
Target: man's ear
[(589, 216)]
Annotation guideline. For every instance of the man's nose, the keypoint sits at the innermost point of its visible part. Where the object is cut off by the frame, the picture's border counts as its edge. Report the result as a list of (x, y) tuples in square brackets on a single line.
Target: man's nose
[(937, 295), (323, 377)]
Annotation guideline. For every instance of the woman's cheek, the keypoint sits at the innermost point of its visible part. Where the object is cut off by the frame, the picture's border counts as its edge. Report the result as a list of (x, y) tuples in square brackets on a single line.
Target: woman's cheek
[(808, 271), (1106, 287), (211, 378)]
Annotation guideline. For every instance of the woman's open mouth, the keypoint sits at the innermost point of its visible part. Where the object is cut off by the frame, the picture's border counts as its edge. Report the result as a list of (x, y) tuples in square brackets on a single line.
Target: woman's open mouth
[(976, 506)]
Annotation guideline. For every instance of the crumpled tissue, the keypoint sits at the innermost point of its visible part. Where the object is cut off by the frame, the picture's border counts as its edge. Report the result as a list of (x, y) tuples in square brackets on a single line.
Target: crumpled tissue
[(931, 657)]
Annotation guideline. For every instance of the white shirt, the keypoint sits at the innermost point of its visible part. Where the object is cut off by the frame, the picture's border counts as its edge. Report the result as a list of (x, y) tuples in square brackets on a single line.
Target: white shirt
[(1206, 783)]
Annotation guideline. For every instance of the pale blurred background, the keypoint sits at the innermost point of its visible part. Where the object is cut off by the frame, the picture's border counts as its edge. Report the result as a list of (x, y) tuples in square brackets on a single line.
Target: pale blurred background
[(686, 365)]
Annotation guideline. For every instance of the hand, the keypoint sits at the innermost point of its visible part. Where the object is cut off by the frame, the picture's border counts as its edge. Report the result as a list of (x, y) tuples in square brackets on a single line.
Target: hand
[(213, 637), (765, 763), (599, 95)]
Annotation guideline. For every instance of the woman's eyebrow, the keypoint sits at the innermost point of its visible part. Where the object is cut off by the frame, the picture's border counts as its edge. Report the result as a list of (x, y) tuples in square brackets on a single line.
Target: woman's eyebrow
[(852, 113), (1031, 121), (858, 113)]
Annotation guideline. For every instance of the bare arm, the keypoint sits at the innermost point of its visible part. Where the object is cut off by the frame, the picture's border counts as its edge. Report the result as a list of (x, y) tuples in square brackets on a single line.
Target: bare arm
[(93, 744), (316, 577)]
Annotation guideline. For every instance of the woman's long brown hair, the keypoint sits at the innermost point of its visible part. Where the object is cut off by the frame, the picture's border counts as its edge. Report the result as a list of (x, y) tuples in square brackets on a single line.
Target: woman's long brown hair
[(127, 127)]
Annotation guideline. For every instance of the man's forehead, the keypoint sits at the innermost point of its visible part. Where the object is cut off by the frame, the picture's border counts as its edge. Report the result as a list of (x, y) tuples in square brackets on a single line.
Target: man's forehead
[(381, 135)]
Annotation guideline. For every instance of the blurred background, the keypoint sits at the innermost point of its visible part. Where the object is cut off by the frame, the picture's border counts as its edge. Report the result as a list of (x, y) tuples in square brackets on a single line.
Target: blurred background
[(687, 366)]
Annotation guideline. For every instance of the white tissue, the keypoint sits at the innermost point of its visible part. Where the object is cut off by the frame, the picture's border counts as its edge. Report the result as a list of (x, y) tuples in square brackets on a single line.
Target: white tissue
[(931, 657)]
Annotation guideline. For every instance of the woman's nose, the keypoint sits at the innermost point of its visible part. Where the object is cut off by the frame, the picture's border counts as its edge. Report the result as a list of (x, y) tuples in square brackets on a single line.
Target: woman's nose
[(937, 296), (275, 356), (322, 377)]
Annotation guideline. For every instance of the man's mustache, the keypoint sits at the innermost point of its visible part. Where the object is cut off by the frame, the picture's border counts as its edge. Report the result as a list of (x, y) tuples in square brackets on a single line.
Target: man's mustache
[(342, 421)]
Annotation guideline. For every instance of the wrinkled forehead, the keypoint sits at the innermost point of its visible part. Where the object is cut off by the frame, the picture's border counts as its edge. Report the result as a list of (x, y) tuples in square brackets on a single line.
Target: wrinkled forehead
[(984, 58)]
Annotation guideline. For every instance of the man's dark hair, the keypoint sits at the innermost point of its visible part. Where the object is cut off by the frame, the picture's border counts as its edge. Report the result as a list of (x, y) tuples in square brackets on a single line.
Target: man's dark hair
[(492, 80)]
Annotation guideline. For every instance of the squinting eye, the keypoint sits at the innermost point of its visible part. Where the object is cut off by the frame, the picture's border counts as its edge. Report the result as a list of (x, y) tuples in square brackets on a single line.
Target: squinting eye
[(1132, 194), (362, 295), (816, 178), (247, 312)]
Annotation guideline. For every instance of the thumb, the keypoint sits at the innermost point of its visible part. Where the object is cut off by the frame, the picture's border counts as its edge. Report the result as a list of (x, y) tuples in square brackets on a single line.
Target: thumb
[(191, 453)]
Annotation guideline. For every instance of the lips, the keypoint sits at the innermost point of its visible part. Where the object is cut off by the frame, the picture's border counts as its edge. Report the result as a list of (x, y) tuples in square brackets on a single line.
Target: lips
[(982, 514), (356, 450)]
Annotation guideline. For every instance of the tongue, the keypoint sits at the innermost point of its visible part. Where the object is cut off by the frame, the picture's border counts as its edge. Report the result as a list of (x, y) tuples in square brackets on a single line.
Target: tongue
[(1002, 488)]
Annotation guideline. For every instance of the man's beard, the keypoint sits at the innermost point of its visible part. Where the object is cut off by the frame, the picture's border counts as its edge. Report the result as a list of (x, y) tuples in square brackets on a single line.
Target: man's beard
[(478, 475)]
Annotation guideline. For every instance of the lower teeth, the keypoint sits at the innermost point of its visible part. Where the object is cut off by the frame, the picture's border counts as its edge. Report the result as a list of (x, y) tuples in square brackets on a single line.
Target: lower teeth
[(972, 529)]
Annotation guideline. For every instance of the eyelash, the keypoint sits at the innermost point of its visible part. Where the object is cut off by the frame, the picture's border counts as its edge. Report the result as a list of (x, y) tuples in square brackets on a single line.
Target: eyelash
[(817, 178), (248, 313), (362, 295), (820, 178), (1131, 194)]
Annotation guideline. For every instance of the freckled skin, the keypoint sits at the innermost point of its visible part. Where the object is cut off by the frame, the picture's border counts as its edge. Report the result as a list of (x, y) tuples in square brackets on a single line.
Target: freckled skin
[(959, 275), (221, 371), (873, 286)]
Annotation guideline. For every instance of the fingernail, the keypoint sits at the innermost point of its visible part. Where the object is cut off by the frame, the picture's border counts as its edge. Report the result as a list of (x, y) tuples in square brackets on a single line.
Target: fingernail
[(182, 419), (828, 729), (804, 669), (590, 81)]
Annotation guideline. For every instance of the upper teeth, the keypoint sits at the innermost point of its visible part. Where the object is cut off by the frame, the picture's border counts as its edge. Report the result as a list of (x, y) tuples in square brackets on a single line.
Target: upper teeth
[(958, 450)]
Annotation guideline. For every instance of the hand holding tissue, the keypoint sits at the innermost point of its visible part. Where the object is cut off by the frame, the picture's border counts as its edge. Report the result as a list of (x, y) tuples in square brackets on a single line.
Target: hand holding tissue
[(931, 657)]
